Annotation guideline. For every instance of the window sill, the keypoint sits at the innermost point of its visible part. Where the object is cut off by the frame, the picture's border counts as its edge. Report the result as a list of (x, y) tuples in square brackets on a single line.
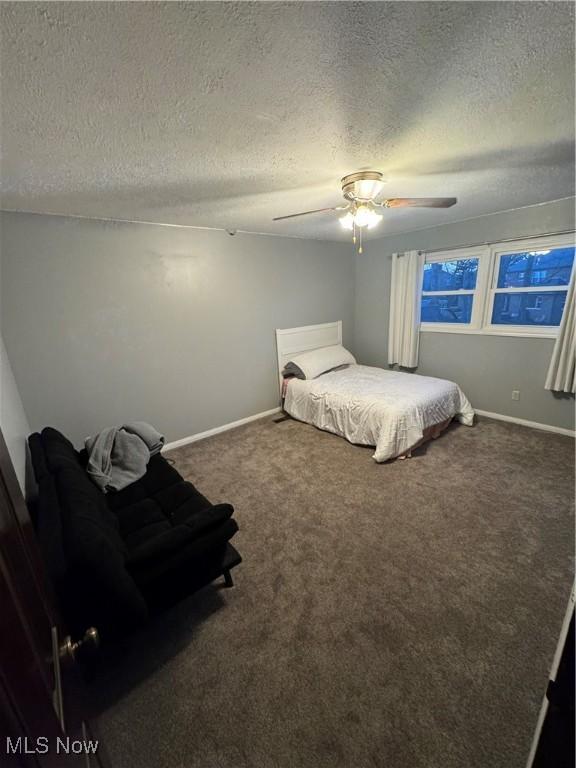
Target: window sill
[(489, 332)]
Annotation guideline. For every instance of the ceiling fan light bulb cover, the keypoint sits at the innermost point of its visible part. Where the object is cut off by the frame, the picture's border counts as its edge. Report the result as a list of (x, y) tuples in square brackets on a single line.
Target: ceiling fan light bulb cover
[(366, 217), (347, 221)]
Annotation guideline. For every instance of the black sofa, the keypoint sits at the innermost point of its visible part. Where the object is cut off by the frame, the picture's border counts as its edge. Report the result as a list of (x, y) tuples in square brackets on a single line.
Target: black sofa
[(116, 558)]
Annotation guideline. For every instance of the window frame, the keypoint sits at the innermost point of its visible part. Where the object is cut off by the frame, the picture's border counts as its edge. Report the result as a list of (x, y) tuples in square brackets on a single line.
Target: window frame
[(476, 319), (519, 246), (486, 286)]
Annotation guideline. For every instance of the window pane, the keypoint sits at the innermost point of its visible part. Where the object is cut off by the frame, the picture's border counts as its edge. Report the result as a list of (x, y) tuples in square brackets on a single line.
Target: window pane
[(536, 268), (456, 275), (446, 309), (528, 308)]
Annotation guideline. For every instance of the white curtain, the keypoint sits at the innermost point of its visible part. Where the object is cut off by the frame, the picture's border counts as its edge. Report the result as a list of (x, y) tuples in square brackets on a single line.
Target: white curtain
[(561, 373), (405, 293)]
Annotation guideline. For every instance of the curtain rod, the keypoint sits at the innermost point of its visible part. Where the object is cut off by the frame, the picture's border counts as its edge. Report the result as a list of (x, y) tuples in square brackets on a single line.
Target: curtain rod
[(506, 240)]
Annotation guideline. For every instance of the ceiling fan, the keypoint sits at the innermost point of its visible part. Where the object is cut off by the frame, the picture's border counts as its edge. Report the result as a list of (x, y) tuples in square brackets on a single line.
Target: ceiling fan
[(360, 191)]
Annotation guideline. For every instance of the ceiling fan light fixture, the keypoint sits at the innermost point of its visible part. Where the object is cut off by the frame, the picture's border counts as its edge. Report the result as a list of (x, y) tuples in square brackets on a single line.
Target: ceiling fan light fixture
[(362, 208), (375, 219), (347, 221), (365, 216), (368, 189), (363, 185)]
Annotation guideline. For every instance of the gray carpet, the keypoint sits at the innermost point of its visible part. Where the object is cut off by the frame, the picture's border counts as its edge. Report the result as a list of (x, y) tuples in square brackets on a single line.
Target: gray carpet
[(401, 615)]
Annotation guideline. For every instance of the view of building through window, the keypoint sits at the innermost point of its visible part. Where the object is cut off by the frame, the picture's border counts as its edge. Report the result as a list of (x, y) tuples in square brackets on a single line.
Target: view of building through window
[(532, 270), (450, 275), (441, 276), (536, 268)]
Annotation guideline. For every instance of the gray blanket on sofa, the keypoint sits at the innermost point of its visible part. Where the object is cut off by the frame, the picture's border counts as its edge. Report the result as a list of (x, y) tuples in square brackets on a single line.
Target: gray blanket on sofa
[(153, 439), (118, 456)]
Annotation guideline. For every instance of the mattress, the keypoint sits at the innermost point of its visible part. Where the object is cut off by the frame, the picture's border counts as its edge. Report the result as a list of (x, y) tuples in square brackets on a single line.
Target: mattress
[(372, 406)]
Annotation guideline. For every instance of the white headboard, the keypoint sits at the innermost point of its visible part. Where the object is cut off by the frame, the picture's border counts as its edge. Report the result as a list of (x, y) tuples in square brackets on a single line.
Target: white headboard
[(293, 341)]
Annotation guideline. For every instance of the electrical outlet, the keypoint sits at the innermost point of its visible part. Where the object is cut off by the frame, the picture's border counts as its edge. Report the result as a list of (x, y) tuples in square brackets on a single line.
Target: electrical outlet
[(515, 394)]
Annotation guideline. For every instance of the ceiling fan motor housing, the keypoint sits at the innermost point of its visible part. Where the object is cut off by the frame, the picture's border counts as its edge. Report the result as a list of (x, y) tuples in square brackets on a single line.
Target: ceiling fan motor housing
[(363, 185)]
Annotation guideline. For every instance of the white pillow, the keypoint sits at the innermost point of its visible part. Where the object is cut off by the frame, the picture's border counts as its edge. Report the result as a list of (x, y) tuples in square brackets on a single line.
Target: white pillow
[(311, 364)]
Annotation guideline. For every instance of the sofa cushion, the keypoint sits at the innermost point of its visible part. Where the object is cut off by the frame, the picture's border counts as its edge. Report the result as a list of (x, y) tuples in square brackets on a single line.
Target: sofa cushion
[(84, 507), (181, 500), (59, 451), (170, 541), (160, 474), (141, 521), (178, 564), (179, 506)]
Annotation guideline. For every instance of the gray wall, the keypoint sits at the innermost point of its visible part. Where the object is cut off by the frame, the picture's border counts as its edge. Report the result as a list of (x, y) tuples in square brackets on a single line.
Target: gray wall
[(13, 421), (488, 368), (106, 321)]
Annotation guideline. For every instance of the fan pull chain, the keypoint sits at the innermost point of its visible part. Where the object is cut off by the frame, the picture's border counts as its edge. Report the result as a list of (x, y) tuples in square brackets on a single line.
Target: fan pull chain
[(354, 232), (360, 248)]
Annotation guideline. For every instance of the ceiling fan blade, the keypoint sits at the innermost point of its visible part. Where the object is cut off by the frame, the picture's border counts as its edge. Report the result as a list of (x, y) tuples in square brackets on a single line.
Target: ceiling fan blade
[(305, 213), (419, 202)]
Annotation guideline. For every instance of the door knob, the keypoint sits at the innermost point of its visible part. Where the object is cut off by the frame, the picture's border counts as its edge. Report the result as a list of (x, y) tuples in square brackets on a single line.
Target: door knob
[(69, 648)]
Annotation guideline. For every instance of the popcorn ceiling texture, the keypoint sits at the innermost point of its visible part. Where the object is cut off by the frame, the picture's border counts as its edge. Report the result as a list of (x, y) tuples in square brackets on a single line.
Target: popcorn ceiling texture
[(227, 114)]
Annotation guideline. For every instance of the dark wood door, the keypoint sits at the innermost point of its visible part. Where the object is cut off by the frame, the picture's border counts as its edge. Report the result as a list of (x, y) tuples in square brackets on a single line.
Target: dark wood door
[(38, 727)]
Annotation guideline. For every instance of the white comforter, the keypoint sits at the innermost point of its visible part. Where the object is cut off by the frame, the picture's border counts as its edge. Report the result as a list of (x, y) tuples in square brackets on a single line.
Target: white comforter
[(373, 406)]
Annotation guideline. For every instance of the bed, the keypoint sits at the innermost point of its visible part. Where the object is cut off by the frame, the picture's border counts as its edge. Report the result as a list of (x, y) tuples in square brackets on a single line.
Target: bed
[(391, 410)]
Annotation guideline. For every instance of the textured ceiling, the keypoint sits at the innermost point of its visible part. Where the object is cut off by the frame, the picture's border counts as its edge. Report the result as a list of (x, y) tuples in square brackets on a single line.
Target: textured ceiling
[(227, 114)]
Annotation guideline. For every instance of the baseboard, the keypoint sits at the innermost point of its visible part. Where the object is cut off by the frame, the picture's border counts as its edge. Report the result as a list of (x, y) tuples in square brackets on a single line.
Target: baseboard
[(217, 430), (526, 423), (272, 411)]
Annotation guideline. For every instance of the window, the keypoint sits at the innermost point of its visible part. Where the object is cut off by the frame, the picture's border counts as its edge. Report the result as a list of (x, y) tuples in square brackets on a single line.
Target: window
[(529, 287), (450, 290), (517, 289)]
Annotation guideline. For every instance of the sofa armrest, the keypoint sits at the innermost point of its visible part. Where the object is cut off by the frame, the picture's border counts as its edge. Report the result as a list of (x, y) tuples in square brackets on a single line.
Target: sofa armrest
[(171, 541)]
